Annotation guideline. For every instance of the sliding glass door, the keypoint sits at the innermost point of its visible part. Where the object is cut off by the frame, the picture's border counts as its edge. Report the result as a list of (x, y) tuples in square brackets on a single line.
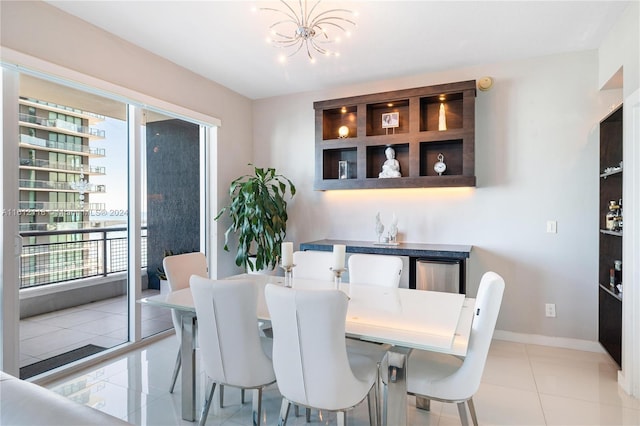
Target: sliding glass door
[(87, 174)]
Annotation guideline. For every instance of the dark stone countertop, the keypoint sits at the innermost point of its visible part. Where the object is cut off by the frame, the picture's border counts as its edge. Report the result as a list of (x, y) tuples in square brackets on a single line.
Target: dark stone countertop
[(432, 251)]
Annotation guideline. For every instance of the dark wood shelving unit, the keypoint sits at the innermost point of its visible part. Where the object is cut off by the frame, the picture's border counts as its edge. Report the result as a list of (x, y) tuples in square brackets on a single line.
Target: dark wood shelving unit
[(610, 241), (416, 140)]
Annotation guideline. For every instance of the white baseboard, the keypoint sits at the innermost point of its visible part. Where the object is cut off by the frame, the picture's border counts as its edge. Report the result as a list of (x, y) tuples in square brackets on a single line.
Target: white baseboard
[(560, 342)]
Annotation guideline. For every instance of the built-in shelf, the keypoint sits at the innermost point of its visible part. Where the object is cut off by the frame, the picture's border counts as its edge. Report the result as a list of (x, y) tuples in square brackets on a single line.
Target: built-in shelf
[(610, 242), (409, 122), (613, 293), (611, 173)]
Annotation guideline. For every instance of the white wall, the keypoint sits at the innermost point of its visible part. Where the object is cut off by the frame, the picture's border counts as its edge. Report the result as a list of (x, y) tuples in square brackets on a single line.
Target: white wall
[(621, 49), (536, 160)]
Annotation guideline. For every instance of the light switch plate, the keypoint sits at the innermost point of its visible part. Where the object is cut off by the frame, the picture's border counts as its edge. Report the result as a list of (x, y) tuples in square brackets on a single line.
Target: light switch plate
[(552, 227)]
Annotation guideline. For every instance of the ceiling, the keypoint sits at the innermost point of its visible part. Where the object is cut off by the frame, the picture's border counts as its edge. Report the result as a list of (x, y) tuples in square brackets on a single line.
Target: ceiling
[(224, 41)]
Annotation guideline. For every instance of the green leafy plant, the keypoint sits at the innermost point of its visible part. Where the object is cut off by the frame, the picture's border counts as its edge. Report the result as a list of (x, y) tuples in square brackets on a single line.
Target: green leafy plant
[(258, 212)]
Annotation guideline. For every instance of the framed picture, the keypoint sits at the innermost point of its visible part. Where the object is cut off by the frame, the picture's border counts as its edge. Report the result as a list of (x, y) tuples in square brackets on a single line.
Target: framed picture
[(390, 119)]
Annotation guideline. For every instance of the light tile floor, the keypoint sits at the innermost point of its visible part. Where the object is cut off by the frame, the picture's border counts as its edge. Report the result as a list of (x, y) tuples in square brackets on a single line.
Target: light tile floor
[(102, 323), (522, 385)]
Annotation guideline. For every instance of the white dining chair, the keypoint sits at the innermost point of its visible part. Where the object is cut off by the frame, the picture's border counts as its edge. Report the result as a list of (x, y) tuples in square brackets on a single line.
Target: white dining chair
[(447, 378), (179, 269), (313, 264), (375, 269), (310, 356), (231, 349)]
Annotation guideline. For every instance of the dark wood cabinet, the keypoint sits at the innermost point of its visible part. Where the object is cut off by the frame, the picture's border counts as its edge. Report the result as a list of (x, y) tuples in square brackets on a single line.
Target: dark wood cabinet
[(352, 130), (610, 242)]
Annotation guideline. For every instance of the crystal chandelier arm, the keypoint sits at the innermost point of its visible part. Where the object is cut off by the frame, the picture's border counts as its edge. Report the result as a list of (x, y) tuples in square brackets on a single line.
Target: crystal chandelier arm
[(347, 11), (308, 15), (281, 22), (298, 49), (292, 17), (319, 26), (285, 38), (317, 48), (327, 19), (307, 46)]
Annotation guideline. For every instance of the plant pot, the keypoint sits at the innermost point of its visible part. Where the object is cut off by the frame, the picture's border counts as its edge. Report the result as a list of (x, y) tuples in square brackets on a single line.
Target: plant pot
[(263, 271), (164, 287)]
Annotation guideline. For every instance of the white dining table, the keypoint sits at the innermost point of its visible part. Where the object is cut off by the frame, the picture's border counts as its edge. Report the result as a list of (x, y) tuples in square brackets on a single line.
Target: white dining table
[(407, 319)]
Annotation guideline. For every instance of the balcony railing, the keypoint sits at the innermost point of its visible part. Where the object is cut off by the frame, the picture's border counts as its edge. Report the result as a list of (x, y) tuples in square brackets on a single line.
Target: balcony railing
[(91, 253), (63, 146), (65, 108), (59, 226), (54, 165), (62, 125), (58, 186), (46, 206)]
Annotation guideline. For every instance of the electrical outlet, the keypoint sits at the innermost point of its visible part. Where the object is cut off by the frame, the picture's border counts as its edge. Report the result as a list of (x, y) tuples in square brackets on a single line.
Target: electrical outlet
[(550, 310), (552, 226)]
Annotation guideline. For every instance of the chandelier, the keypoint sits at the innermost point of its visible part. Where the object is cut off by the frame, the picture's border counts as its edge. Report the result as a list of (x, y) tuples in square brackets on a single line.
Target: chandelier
[(308, 29)]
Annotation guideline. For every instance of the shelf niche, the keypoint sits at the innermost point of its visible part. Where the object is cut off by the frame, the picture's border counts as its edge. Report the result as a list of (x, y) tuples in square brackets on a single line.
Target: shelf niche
[(452, 152), (333, 119), (376, 157), (331, 159), (430, 112), (377, 110)]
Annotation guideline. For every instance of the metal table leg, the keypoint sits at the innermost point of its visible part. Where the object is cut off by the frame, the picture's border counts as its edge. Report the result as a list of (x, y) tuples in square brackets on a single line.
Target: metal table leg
[(188, 353), (395, 393)]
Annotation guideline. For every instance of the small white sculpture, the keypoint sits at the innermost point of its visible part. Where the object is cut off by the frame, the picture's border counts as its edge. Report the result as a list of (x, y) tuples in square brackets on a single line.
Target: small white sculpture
[(442, 118), (391, 167), (379, 226), (393, 229)]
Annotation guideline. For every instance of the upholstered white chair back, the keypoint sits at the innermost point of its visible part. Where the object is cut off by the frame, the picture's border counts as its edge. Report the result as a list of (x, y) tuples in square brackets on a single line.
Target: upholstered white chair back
[(309, 350), (464, 382), (228, 336), (180, 267), (314, 265), (375, 269)]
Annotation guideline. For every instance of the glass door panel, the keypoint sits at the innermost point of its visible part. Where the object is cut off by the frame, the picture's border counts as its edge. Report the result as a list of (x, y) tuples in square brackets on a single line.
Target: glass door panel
[(73, 283), (73, 149), (170, 203)]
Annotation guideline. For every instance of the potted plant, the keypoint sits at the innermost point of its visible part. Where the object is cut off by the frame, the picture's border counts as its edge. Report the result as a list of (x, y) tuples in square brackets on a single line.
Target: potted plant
[(258, 212)]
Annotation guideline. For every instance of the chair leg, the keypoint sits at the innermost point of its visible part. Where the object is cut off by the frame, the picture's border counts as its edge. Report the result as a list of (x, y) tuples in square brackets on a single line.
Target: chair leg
[(307, 414), (423, 403), (242, 396), (221, 396), (342, 418), (472, 410), (176, 370), (206, 405), (256, 411), (372, 402), (284, 412), (462, 410)]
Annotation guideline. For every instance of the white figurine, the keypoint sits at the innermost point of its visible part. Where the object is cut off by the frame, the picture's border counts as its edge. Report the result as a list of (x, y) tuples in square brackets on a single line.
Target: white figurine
[(379, 226), (393, 229), (391, 167)]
